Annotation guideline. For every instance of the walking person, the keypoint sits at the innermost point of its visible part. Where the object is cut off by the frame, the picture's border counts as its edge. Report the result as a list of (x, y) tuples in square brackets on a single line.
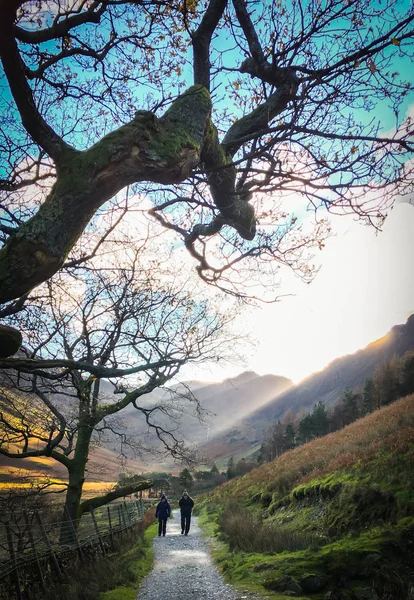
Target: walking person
[(186, 504), (162, 514)]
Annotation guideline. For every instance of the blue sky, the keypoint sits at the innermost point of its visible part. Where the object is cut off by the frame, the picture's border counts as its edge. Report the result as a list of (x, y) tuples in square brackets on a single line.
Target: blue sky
[(365, 284)]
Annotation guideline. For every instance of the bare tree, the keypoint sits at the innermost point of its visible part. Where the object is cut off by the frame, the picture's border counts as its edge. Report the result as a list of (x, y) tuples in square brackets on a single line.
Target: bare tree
[(278, 100), (125, 326)]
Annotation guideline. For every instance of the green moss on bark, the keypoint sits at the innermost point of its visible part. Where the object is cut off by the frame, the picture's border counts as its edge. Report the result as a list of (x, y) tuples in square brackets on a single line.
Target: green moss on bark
[(183, 125)]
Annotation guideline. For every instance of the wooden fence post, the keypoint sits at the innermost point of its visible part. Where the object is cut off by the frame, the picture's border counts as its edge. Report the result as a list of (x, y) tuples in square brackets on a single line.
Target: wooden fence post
[(73, 528), (128, 517), (33, 545), (120, 516), (140, 509), (49, 545), (111, 533), (95, 524), (135, 512), (14, 562)]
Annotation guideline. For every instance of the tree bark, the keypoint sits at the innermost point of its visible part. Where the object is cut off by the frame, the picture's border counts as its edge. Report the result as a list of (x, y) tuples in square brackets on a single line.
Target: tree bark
[(76, 473), (163, 150), (10, 341), (94, 503)]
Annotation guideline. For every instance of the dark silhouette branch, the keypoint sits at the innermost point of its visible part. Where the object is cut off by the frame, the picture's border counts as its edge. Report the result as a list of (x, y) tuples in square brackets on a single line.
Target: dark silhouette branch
[(14, 69), (61, 28), (201, 39), (98, 501)]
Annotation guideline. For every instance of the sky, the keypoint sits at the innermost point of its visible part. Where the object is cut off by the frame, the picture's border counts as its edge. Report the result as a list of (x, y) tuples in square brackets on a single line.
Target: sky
[(365, 286)]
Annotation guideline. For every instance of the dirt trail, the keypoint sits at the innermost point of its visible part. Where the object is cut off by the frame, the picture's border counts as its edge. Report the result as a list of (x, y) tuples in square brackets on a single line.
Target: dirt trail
[(183, 568)]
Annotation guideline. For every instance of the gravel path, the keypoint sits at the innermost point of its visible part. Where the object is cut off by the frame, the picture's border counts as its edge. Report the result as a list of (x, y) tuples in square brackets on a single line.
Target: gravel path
[(183, 569)]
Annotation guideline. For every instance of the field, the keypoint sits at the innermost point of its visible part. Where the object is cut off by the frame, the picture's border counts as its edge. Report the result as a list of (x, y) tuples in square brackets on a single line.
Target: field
[(104, 467)]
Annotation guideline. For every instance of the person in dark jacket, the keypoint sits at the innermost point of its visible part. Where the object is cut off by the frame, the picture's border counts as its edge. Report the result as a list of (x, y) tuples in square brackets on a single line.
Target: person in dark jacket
[(162, 514), (186, 504)]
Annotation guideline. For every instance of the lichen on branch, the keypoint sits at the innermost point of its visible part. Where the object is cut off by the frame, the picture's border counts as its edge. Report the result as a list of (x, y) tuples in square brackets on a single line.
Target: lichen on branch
[(160, 150)]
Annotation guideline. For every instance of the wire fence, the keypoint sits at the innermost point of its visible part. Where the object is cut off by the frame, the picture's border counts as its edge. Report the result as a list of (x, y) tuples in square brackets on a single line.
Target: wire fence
[(35, 542)]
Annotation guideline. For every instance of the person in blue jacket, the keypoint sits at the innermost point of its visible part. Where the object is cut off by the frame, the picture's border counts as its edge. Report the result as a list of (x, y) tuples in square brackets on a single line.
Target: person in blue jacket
[(162, 513), (186, 504)]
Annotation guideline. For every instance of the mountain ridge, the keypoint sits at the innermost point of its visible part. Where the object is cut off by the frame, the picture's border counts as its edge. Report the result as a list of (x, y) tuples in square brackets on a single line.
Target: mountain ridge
[(326, 386)]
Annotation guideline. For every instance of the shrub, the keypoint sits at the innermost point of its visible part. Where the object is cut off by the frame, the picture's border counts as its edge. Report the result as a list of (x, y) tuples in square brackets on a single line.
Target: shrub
[(266, 499), (245, 531)]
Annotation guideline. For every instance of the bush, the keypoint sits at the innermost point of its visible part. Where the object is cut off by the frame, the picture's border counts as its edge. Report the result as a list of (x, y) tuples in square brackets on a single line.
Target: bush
[(266, 499), (245, 531)]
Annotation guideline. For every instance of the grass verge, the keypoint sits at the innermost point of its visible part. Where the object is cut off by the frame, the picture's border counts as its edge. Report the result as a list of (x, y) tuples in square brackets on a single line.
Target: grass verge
[(134, 565), (115, 576)]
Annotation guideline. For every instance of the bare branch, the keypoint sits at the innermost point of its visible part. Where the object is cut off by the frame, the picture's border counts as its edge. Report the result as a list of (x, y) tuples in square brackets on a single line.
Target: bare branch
[(201, 39), (32, 120)]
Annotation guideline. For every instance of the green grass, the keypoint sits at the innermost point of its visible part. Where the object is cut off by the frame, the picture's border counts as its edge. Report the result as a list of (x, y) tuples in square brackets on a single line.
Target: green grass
[(134, 565), (352, 492), (120, 593), (238, 568), (354, 557), (208, 523)]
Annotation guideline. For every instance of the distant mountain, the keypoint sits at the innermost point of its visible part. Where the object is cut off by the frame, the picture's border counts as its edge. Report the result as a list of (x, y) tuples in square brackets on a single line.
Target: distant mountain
[(326, 386), (221, 404), (236, 398)]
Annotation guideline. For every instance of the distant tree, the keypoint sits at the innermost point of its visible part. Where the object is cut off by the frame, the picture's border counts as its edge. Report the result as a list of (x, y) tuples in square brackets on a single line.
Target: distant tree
[(122, 477), (176, 487), (368, 397), (214, 470), (387, 376), (261, 456), (349, 402), (306, 429), (230, 468), (407, 373), (160, 486), (289, 437), (202, 475), (278, 439), (243, 466), (320, 420), (335, 415), (186, 479)]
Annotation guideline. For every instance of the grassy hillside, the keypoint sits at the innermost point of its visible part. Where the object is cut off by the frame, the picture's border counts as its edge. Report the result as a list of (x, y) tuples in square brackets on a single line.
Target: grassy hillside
[(331, 519), (247, 433)]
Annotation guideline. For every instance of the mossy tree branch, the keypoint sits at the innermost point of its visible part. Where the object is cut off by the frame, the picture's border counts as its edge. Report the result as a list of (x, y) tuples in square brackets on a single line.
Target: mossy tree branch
[(98, 501), (163, 150)]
